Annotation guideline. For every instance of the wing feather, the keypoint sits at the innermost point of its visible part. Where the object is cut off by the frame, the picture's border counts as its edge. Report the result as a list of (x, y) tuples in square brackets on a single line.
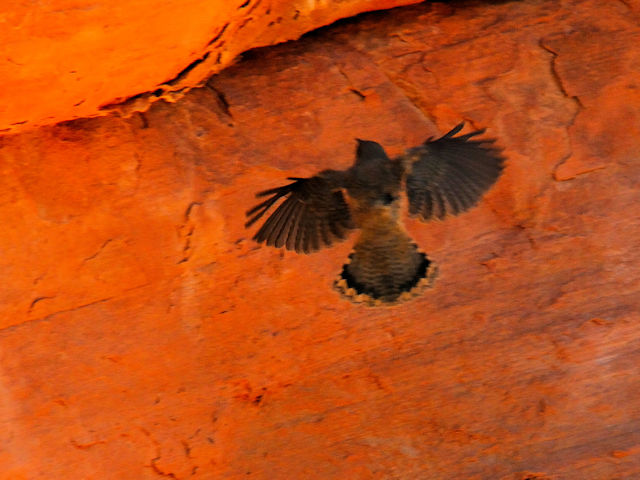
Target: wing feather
[(313, 215), (449, 175), (295, 228)]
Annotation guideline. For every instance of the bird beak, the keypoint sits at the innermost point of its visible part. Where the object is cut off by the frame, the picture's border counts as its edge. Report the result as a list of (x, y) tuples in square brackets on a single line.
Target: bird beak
[(359, 141)]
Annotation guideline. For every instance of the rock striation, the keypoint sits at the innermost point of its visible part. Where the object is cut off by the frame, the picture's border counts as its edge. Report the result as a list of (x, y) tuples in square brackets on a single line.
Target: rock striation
[(144, 335)]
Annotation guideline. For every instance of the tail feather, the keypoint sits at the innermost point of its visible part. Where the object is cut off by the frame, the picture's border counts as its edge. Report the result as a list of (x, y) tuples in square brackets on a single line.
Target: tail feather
[(385, 267)]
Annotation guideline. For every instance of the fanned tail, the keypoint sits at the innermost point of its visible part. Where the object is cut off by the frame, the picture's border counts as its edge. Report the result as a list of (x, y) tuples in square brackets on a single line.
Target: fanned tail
[(385, 267)]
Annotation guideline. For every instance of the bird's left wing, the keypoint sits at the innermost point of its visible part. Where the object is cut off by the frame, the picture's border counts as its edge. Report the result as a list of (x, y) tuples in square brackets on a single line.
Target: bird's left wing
[(313, 214), (449, 175)]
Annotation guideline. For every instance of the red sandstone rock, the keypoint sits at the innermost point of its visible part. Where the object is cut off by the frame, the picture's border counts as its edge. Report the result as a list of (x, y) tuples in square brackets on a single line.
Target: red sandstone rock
[(61, 60), (144, 334)]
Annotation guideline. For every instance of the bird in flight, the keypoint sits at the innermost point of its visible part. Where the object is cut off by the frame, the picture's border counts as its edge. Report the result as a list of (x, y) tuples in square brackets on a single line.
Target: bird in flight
[(441, 177)]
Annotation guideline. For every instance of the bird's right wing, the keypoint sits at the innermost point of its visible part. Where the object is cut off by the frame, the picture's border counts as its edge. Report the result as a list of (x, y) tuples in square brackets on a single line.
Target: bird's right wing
[(313, 214), (449, 175)]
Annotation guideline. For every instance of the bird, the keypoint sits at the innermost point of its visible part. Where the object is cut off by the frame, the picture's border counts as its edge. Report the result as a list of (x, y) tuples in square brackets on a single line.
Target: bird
[(441, 177)]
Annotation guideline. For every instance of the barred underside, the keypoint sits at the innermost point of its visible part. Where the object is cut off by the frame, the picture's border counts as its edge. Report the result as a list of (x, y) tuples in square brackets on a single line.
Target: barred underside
[(385, 267)]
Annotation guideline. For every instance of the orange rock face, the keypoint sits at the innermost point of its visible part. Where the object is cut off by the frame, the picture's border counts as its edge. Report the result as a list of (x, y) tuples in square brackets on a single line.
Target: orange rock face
[(74, 58), (145, 335)]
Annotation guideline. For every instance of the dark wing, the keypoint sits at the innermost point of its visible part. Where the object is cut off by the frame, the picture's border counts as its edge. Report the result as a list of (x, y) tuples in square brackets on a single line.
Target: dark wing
[(450, 174), (313, 215)]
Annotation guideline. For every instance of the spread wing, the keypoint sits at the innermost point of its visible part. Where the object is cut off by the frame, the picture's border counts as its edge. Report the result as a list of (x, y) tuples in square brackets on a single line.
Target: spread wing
[(313, 215), (449, 175)]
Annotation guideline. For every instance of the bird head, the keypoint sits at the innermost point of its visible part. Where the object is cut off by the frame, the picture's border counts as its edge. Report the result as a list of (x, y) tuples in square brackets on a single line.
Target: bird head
[(368, 150)]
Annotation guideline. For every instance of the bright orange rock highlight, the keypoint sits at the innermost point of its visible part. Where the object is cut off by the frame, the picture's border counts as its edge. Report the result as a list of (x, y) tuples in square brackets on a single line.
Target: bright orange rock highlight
[(66, 59), (144, 335)]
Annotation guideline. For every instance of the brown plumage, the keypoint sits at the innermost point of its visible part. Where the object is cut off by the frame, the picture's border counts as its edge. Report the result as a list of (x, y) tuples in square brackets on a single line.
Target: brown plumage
[(441, 177)]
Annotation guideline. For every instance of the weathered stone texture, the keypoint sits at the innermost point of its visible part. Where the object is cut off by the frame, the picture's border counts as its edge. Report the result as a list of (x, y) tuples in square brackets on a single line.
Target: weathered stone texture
[(66, 59), (144, 334)]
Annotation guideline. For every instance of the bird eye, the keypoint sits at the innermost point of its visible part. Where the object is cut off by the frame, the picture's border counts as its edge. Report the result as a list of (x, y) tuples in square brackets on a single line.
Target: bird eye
[(388, 199)]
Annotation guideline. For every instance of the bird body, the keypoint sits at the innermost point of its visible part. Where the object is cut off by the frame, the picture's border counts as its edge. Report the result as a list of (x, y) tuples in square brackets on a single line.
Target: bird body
[(374, 179), (441, 177)]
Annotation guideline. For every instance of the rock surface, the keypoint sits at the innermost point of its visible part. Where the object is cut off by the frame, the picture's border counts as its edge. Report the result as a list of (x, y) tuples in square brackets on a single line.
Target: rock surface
[(65, 59), (144, 335)]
